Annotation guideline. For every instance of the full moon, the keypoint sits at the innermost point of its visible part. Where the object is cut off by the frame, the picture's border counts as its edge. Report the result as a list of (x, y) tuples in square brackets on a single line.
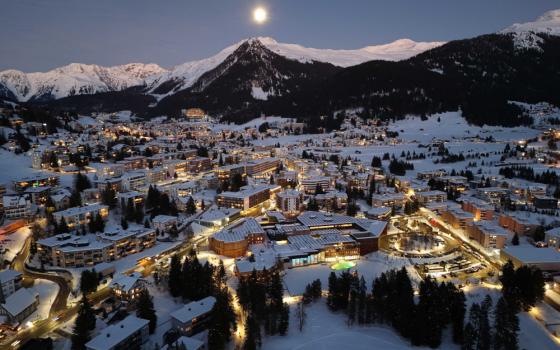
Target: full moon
[(260, 15)]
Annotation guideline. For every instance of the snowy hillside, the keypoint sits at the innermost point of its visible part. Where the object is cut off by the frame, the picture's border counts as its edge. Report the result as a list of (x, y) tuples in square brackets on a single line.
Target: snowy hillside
[(75, 79), (186, 74), (395, 51), (525, 33)]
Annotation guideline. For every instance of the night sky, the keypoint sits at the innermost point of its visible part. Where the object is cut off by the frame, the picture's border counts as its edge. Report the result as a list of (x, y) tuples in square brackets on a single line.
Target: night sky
[(38, 35)]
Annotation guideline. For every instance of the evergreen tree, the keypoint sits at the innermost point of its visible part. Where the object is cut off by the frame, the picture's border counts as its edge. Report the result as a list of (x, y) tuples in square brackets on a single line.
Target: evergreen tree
[(191, 206), (506, 326), (252, 334), (109, 196), (458, 310), (174, 280), (85, 322), (469, 338), (145, 309), (515, 240), (284, 319), (223, 321)]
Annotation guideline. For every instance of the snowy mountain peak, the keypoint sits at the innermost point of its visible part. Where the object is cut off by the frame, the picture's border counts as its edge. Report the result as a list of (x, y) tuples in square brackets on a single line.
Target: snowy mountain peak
[(525, 34), (73, 79), (395, 51), (548, 23)]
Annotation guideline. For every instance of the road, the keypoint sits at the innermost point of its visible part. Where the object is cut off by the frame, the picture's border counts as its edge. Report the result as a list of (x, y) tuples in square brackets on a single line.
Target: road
[(44, 327), (64, 288), (60, 312)]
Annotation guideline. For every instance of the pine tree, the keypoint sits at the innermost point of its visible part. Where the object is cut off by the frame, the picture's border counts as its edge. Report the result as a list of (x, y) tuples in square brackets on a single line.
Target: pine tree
[(284, 319), (506, 326), (469, 338), (174, 280), (301, 315), (85, 322), (484, 336), (458, 310), (191, 206), (252, 334), (223, 321), (515, 240), (62, 226), (145, 309)]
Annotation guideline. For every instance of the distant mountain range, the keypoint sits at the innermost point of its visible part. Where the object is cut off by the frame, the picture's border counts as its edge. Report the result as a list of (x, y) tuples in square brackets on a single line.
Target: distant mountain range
[(259, 75)]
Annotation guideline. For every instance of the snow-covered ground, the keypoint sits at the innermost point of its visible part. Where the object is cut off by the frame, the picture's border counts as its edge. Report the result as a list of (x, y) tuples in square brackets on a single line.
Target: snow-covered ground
[(47, 293), (326, 330), (369, 266), (11, 244)]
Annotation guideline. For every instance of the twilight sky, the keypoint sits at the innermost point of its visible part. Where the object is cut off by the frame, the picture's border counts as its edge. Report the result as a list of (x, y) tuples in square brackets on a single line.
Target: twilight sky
[(37, 35)]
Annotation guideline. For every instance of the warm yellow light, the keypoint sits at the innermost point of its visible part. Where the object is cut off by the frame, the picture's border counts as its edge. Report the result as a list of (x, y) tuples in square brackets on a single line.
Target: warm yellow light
[(260, 15)]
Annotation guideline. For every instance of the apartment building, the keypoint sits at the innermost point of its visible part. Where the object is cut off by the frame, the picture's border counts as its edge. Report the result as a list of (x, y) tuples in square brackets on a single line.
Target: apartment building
[(481, 210), (194, 316), (130, 333), (17, 206), (457, 218), (77, 216), (289, 202), (247, 197), (487, 234), (10, 281)]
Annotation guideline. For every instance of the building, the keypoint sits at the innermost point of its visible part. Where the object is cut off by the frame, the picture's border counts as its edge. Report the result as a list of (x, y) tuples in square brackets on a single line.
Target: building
[(488, 234), (164, 223), (128, 288), (457, 218), (310, 184), (193, 317), (66, 250), (16, 206), (235, 241), (247, 197), (545, 202), (332, 200), (516, 224), (188, 342), (19, 305), (133, 180), (126, 242), (552, 238), (11, 282), (479, 208), (289, 202), (218, 217), (198, 165), (129, 333), (546, 259), (261, 167), (37, 180), (77, 216), (431, 197), (388, 200)]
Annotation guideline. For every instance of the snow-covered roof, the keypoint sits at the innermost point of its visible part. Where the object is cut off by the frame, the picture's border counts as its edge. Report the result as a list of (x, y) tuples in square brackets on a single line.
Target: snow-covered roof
[(126, 283), (115, 334), (190, 343), (194, 309), (528, 254), (8, 275), (19, 301)]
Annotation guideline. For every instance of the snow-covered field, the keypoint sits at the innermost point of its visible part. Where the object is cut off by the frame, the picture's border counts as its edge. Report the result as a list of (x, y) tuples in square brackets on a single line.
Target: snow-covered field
[(11, 244), (326, 330), (47, 293), (369, 266)]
